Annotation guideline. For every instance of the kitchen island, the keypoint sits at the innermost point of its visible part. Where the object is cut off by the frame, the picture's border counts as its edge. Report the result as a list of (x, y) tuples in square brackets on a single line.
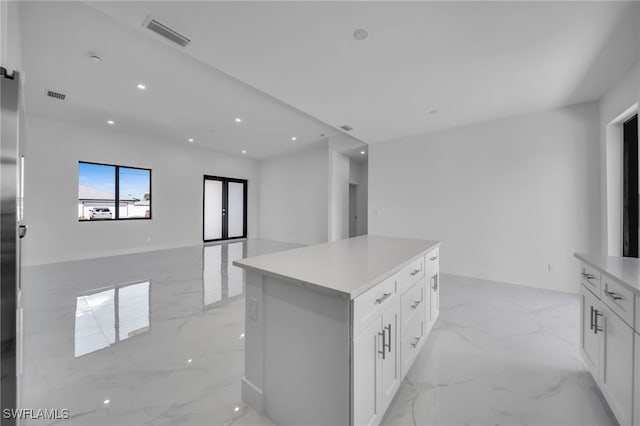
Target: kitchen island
[(332, 329)]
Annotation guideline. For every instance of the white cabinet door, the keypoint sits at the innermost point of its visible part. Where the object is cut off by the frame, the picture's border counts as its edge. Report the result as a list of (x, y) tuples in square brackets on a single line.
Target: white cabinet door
[(616, 364), (390, 362), (366, 395), (589, 340), (636, 379)]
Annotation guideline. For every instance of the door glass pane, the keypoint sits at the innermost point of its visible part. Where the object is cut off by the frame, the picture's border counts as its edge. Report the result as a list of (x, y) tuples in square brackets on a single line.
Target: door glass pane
[(135, 193), (133, 310), (212, 274), (212, 209), (236, 209), (235, 274), (96, 191)]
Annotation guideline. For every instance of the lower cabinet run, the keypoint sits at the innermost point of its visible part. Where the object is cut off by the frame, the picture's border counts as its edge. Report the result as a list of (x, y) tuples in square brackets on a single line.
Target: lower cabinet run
[(607, 342), (320, 357)]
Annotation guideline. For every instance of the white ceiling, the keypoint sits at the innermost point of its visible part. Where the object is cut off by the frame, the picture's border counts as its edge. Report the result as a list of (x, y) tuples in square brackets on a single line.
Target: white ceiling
[(471, 61), (184, 97)]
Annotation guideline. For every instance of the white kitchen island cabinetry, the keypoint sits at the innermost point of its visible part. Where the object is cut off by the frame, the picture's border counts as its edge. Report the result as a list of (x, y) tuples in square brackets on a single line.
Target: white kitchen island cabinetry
[(332, 329)]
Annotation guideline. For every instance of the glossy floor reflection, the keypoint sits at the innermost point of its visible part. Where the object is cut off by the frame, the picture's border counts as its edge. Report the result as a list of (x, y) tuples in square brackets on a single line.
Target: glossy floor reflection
[(157, 339), (146, 339)]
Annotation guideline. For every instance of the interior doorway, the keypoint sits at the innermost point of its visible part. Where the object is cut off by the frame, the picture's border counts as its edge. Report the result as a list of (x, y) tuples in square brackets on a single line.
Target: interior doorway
[(224, 208), (353, 212)]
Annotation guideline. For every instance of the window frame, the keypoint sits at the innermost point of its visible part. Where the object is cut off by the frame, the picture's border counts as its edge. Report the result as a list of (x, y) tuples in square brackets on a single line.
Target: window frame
[(116, 200)]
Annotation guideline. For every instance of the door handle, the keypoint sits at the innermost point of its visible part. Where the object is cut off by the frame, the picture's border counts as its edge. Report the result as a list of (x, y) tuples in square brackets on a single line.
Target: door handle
[(612, 295), (415, 304), (383, 298), (388, 346), (595, 322), (415, 271), (591, 321), (22, 230), (415, 343), (382, 334)]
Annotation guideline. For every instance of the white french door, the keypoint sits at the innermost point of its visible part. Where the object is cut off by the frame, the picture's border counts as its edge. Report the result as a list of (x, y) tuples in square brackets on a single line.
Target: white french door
[(225, 208)]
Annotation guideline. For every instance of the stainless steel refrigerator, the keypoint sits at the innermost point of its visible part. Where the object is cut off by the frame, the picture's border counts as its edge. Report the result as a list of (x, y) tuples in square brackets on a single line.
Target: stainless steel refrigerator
[(11, 231)]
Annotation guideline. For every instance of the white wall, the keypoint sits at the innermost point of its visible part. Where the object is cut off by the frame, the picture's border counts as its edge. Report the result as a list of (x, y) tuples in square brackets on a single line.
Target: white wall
[(615, 106), (506, 198), (10, 43), (338, 196), (358, 175), (294, 196), (51, 191)]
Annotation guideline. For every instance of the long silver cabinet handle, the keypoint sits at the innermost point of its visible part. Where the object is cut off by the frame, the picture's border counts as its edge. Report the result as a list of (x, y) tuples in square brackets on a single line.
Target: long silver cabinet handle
[(434, 258), (415, 271), (415, 304), (382, 334), (613, 295), (595, 322), (388, 346), (435, 283), (414, 344), (591, 321), (383, 298)]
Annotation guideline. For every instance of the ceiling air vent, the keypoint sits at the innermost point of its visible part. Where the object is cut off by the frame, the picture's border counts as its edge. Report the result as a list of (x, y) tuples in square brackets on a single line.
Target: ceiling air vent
[(346, 128), (167, 32), (56, 95)]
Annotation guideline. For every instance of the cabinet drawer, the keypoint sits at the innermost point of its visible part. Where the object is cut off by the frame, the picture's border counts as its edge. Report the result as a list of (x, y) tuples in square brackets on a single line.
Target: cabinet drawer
[(412, 301), (433, 257), (619, 299), (369, 305), (411, 273), (412, 341), (590, 277)]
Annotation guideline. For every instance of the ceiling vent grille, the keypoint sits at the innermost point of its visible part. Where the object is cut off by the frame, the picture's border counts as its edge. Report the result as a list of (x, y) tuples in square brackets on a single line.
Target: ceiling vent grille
[(56, 95), (167, 32), (346, 128)]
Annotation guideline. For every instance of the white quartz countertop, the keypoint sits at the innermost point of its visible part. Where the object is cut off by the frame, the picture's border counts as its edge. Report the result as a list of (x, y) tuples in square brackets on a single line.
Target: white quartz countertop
[(348, 267), (623, 269)]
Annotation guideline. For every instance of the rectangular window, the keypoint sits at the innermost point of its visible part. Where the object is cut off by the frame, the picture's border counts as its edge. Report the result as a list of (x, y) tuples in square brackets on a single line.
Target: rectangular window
[(110, 192)]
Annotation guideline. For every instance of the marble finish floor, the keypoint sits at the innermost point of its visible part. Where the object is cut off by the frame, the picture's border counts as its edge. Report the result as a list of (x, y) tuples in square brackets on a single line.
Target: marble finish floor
[(158, 339)]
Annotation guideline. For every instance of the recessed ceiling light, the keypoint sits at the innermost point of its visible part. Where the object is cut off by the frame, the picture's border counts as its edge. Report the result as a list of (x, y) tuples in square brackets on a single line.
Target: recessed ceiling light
[(293, 138), (190, 139), (190, 360), (244, 152), (362, 152), (236, 409), (141, 86), (360, 34), (111, 122), (238, 120), (106, 401)]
